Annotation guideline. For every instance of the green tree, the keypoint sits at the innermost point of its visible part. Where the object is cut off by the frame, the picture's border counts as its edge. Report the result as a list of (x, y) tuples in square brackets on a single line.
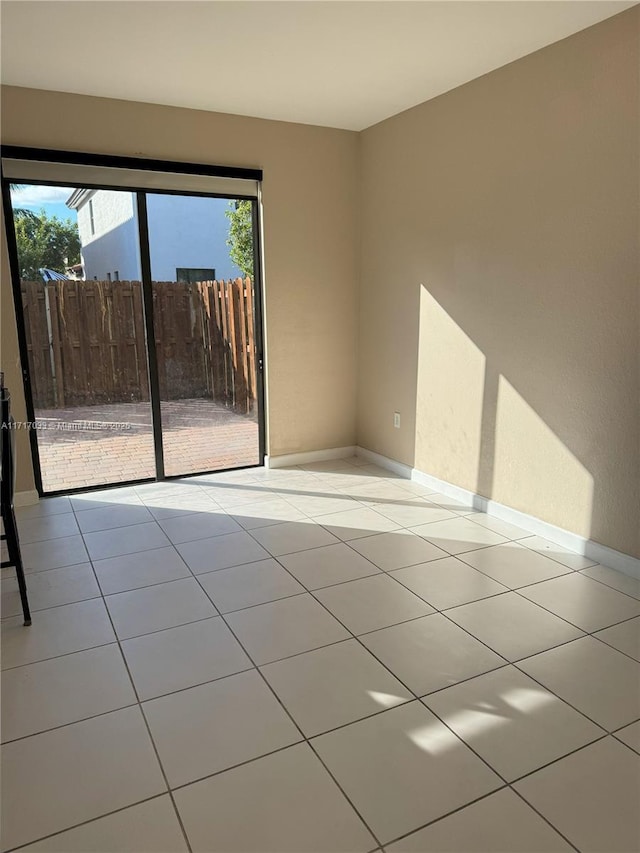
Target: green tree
[(45, 241), (240, 239)]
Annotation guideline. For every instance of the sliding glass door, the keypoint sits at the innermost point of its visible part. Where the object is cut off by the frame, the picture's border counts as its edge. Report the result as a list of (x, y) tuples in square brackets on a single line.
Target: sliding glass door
[(82, 315), (139, 320), (204, 330)]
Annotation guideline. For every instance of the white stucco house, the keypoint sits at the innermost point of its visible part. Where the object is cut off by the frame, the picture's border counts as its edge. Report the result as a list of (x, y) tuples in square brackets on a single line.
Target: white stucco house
[(187, 236)]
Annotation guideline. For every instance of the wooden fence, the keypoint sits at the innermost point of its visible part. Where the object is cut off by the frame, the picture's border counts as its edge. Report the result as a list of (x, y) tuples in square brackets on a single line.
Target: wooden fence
[(86, 342)]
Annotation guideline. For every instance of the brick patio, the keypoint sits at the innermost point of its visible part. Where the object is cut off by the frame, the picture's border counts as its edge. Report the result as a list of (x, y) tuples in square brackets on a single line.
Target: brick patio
[(78, 448)]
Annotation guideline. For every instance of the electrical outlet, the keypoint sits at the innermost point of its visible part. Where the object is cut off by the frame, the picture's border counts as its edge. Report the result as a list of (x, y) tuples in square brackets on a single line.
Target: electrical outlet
[(396, 420)]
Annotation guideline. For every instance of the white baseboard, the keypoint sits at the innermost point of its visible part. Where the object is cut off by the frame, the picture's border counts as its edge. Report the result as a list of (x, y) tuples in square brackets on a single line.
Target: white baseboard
[(26, 498), (624, 563), (288, 459)]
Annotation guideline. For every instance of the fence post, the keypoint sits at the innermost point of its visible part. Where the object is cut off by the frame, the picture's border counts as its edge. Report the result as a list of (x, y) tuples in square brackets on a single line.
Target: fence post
[(251, 345), (240, 344), (56, 345)]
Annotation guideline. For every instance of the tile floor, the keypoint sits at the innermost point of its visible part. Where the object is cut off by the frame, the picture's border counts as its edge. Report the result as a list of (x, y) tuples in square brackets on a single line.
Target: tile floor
[(322, 658)]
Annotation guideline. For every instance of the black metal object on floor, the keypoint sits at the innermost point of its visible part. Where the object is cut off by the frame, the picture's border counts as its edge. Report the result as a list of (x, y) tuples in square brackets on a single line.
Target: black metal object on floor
[(7, 486)]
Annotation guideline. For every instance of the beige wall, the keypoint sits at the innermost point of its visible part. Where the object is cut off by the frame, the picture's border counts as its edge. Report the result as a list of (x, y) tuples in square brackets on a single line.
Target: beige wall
[(500, 285), (310, 246)]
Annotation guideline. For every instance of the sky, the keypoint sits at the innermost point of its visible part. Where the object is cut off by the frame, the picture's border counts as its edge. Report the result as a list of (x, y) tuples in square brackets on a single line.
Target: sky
[(52, 199)]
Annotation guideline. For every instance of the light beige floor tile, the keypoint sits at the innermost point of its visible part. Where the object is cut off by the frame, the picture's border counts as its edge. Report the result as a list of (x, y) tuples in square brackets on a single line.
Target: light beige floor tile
[(512, 626), (329, 466), (133, 571), (126, 540), (48, 526), (447, 583), (104, 498), (415, 488), (167, 489), (45, 506), (591, 797), (372, 603), (610, 577), (513, 565), (245, 586), (320, 567), (413, 511), (181, 505), (583, 602), (252, 516), (396, 550), (357, 460), (624, 637), (206, 729), (282, 628), (110, 517), (403, 768), (198, 525), (458, 535), (430, 653), (378, 471), (63, 690), (221, 552), (356, 523), (504, 528), (51, 589), (283, 803), (499, 823), (596, 679), (558, 553), (183, 657), (334, 685), (631, 736), (228, 478), (54, 553), (381, 492), (291, 474), (234, 495), (513, 723), (462, 507), (153, 608), (50, 781), (293, 536), (58, 631), (150, 827), (318, 500), (346, 481)]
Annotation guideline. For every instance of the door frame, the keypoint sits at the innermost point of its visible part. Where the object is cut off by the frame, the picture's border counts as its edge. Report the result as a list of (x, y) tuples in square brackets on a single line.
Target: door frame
[(78, 158)]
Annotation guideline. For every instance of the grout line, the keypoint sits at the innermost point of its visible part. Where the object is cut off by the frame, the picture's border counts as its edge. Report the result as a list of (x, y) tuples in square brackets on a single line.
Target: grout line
[(608, 585), (290, 716), (133, 704), (51, 606), (144, 718), (352, 636), (160, 764), (86, 822), (410, 691), (546, 819), (111, 642)]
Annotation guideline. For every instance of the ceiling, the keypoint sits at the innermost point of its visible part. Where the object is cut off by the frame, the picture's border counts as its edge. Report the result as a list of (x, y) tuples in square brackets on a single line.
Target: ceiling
[(333, 63)]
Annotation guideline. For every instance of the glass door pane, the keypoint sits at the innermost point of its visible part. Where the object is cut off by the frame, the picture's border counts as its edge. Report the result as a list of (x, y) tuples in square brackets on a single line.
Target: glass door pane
[(82, 309), (201, 253)]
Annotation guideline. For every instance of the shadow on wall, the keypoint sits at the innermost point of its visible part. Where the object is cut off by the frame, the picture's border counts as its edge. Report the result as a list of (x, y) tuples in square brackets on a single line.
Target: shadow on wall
[(513, 400)]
